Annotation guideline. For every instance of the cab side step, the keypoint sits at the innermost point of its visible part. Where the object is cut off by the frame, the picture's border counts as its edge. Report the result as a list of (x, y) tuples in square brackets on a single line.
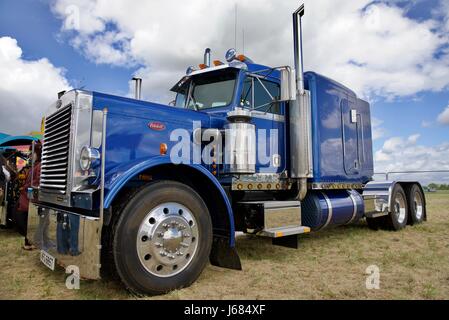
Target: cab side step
[(279, 220)]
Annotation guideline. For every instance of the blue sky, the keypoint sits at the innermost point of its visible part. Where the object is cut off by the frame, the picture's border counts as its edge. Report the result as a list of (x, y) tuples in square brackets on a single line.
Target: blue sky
[(405, 117)]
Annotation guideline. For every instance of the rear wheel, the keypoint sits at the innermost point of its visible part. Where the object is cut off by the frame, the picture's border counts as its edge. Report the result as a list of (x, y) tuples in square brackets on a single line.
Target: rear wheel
[(416, 204), (162, 239), (397, 218)]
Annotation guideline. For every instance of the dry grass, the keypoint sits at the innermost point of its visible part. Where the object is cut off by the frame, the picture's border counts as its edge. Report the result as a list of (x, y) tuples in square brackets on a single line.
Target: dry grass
[(414, 264)]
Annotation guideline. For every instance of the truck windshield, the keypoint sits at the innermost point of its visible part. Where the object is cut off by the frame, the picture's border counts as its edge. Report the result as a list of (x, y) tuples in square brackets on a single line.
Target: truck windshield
[(206, 91)]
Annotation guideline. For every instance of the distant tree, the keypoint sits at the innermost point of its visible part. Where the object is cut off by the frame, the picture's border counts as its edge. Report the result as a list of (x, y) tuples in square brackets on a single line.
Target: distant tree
[(433, 186)]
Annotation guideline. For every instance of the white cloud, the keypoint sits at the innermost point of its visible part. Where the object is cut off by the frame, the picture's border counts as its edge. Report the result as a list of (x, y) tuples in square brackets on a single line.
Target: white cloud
[(426, 124), (27, 88), (371, 47), (399, 154), (377, 130), (443, 117)]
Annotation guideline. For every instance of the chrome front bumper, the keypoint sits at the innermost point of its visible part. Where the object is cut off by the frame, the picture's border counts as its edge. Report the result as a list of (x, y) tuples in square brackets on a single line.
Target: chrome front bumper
[(73, 239)]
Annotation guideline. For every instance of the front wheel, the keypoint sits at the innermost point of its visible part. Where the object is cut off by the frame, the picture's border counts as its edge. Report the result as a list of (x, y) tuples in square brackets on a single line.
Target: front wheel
[(162, 239)]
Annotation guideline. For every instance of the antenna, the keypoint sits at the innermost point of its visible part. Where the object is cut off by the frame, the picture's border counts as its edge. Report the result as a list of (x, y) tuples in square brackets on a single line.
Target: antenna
[(243, 41), (235, 27)]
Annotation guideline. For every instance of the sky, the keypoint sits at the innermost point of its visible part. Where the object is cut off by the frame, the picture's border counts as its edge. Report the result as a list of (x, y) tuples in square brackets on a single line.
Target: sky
[(394, 54)]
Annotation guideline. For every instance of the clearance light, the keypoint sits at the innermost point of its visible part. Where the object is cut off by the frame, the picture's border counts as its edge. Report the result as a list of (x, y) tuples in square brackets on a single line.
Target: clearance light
[(163, 149), (243, 58), (218, 63), (202, 66)]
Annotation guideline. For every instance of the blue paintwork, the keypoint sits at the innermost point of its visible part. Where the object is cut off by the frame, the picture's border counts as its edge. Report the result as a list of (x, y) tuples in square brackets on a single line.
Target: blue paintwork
[(315, 210), (116, 178), (132, 147), (338, 143)]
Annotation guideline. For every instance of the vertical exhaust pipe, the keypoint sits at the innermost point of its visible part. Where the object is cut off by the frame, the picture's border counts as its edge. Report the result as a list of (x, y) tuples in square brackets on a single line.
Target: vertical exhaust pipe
[(300, 117), (297, 43), (207, 57), (138, 88)]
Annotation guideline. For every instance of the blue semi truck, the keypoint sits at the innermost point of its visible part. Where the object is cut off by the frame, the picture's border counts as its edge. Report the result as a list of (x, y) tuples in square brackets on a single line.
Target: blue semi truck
[(153, 192)]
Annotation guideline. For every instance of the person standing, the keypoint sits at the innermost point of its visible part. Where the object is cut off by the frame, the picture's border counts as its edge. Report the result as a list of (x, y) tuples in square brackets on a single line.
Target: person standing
[(21, 212)]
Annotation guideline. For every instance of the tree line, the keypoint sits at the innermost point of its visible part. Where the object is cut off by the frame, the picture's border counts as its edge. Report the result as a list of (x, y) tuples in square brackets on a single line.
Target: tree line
[(435, 186)]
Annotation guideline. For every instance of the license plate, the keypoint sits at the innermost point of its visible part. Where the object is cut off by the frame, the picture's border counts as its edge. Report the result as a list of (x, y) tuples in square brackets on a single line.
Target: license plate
[(48, 260)]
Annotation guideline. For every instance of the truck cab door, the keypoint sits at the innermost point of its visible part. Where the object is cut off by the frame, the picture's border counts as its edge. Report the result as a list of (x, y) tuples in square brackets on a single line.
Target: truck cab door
[(351, 136), (269, 119)]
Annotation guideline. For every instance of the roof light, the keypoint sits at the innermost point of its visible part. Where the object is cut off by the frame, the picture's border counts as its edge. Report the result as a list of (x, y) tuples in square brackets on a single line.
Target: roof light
[(218, 63), (202, 66), (190, 70), (230, 55)]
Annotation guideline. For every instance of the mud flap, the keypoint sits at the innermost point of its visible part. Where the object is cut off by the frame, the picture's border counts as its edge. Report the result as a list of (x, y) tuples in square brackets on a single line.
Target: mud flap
[(222, 255)]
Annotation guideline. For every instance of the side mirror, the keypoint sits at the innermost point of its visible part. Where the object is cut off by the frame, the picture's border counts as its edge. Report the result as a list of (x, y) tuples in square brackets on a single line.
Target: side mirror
[(288, 84)]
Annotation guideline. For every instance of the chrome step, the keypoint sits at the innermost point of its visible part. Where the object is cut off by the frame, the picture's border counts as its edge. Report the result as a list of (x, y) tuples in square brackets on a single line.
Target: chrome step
[(283, 232)]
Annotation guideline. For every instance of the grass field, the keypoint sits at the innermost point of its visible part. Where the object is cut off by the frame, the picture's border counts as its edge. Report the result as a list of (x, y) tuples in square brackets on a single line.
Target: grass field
[(414, 264)]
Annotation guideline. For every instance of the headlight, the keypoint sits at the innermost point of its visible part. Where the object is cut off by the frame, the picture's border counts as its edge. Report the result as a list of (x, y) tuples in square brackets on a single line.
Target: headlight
[(87, 156)]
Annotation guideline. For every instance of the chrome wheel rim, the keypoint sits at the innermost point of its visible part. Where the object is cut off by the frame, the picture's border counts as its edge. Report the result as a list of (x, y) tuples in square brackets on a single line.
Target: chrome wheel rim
[(418, 203), (167, 239), (399, 208)]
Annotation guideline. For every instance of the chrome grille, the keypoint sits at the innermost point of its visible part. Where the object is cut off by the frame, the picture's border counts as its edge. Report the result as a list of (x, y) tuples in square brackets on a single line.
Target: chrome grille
[(55, 152)]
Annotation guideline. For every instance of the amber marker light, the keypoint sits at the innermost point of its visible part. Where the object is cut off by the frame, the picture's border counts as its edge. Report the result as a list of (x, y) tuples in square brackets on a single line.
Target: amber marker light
[(163, 149)]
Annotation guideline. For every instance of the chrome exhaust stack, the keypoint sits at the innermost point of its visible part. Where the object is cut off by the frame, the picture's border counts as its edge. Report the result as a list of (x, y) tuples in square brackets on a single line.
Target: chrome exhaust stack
[(207, 58), (138, 88), (300, 117)]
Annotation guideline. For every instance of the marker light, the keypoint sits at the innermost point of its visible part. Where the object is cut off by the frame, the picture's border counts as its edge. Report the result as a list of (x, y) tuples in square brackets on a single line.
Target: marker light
[(218, 63), (244, 58), (202, 66), (163, 149), (230, 55)]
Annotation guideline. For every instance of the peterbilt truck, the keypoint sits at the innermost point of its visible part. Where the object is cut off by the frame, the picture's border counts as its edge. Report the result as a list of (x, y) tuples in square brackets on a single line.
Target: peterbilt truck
[(153, 192)]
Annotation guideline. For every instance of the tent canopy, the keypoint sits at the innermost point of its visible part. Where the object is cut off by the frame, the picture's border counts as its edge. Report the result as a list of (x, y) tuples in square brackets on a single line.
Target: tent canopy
[(10, 141)]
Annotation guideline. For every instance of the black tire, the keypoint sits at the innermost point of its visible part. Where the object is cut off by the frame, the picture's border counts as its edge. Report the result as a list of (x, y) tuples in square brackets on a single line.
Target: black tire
[(397, 219), (416, 204), (124, 246)]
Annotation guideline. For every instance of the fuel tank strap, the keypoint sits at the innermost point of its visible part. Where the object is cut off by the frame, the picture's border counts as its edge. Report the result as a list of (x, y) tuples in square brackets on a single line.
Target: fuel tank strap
[(354, 201), (329, 210)]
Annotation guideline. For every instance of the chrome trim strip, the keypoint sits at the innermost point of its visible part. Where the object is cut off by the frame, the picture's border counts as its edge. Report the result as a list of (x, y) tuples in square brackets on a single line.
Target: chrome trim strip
[(103, 163), (329, 209), (354, 201), (267, 116), (334, 185)]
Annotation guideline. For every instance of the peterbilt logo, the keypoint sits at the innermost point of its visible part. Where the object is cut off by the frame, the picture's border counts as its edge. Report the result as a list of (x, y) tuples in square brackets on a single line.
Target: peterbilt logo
[(158, 126)]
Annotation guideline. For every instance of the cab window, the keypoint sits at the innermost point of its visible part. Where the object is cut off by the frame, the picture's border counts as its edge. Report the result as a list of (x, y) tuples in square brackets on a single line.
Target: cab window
[(258, 95)]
